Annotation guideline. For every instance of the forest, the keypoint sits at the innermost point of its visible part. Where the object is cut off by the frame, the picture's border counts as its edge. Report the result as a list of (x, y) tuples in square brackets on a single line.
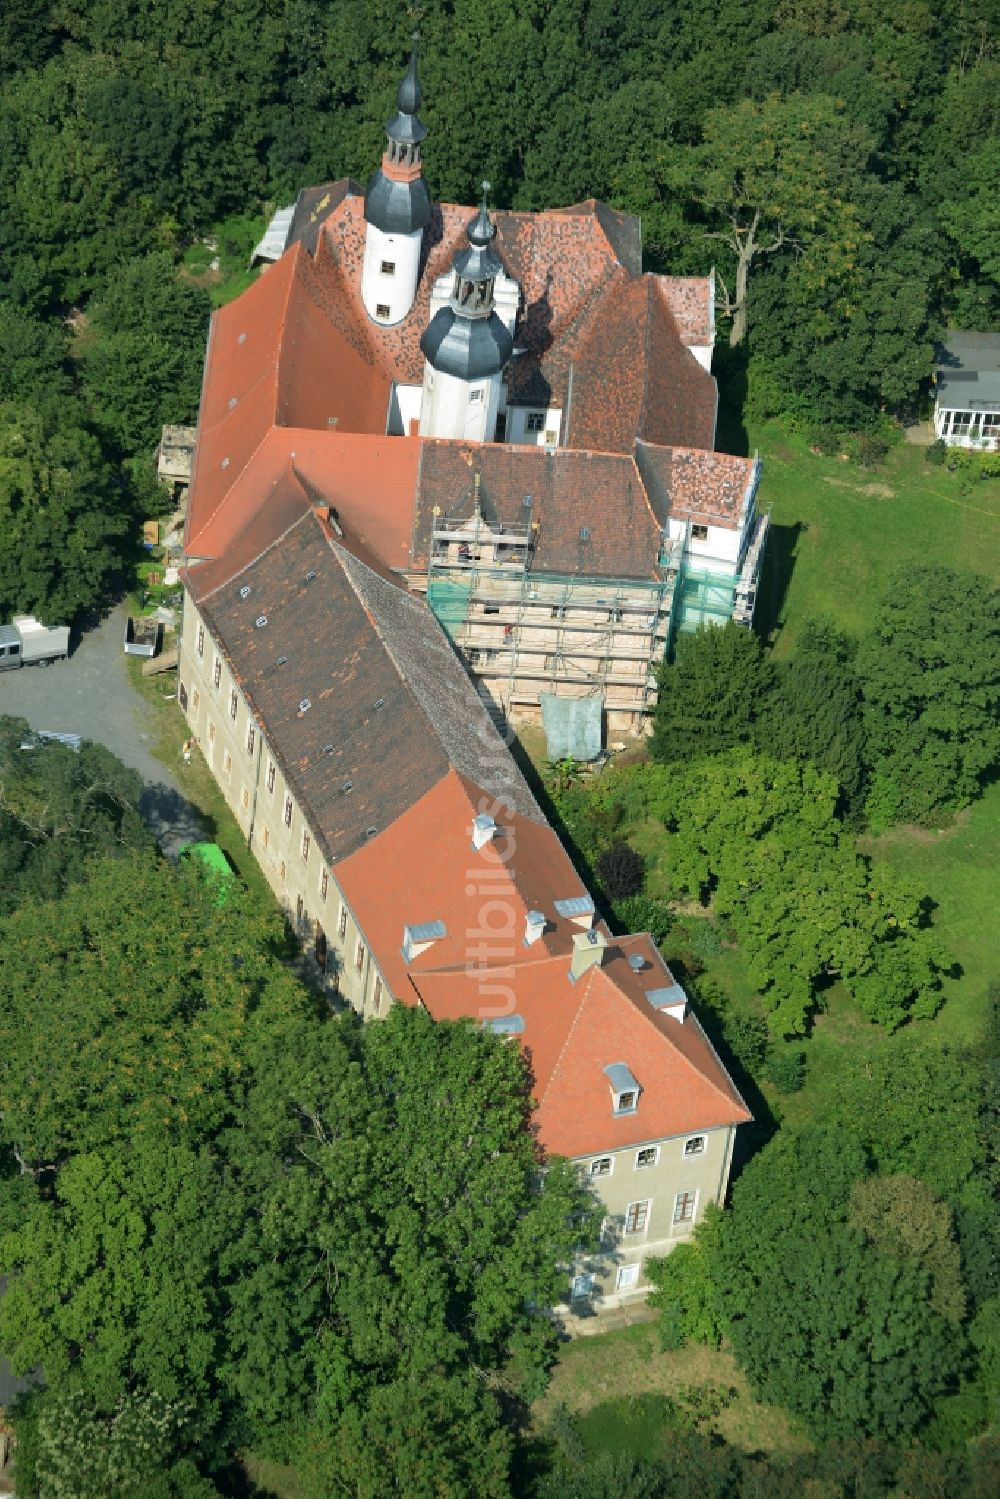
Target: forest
[(240, 1238), (836, 162)]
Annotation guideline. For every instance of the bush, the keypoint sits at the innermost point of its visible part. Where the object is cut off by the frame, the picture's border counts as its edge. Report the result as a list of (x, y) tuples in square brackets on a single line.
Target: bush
[(644, 913), (872, 448), (746, 1036), (825, 439), (620, 870), (936, 453), (786, 1068)]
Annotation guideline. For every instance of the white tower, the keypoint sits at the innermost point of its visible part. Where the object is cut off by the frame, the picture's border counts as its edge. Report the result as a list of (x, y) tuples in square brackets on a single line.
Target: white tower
[(397, 207), (466, 345)]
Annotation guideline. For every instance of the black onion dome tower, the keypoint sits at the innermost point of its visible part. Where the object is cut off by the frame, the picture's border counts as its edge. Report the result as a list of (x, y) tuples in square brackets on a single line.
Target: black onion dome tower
[(396, 199), (466, 338)]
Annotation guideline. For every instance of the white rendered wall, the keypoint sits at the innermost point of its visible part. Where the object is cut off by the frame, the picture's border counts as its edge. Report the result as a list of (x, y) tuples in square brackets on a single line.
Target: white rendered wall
[(719, 551), (517, 431), (396, 290), (404, 408), (506, 297), (453, 407)]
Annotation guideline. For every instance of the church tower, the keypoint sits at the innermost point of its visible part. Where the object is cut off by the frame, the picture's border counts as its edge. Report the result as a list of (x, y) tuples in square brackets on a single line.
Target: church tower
[(466, 345), (397, 207)]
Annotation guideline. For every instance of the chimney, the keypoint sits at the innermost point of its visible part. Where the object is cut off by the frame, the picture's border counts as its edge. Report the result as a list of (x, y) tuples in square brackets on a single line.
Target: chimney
[(484, 829), (588, 950), (534, 926)]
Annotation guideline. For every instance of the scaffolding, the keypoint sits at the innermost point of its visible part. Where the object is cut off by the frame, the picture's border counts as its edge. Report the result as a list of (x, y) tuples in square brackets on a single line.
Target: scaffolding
[(532, 632)]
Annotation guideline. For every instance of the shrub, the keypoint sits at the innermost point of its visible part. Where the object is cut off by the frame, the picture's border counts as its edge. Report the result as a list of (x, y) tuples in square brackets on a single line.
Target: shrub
[(620, 870), (786, 1068), (872, 448), (746, 1036), (936, 453), (644, 913), (825, 439)]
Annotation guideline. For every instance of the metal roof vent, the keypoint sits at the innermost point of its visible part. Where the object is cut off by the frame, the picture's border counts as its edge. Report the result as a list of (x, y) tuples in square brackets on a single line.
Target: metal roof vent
[(584, 533), (282, 661), (637, 962), (310, 575), (370, 832), (225, 463), (347, 788), (242, 339), (328, 749), (245, 591), (505, 1025), (305, 705), (484, 830), (260, 621), (417, 938), (379, 703), (232, 402)]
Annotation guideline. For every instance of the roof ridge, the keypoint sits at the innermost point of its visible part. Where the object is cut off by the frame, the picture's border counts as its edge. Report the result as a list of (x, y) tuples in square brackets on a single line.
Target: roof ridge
[(289, 471), (584, 996)]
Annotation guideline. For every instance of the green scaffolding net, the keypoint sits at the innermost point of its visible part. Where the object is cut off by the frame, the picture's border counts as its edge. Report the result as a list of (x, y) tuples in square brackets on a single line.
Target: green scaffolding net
[(704, 599), (450, 602)]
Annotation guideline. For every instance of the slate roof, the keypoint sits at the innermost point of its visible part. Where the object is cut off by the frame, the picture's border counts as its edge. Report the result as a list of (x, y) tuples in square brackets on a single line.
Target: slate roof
[(390, 706), (968, 374), (570, 491)]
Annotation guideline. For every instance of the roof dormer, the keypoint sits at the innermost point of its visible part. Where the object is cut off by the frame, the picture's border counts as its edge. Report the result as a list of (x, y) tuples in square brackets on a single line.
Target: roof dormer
[(624, 1088)]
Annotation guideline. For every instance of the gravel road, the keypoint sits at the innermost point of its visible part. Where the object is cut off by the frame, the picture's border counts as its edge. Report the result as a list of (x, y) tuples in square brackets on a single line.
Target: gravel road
[(90, 694)]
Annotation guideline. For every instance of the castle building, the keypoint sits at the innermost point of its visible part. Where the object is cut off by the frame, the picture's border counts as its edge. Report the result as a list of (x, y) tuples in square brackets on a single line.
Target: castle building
[(383, 549)]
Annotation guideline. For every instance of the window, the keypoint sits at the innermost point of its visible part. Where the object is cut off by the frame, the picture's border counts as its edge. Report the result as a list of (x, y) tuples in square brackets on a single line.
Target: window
[(648, 1156), (211, 733), (377, 996), (217, 672), (270, 775), (182, 694), (320, 949), (201, 640), (637, 1216), (626, 1103), (475, 395), (961, 422), (695, 1146), (305, 848), (251, 739), (245, 798), (583, 1286), (388, 269), (382, 309), (195, 700), (991, 424), (684, 1206), (234, 704), (699, 533), (485, 657), (534, 421), (282, 871), (342, 921), (359, 955), (300, 906), (602, 1165), (491, 608), (288, 811), (627, 1277), (266, 839), (324, 883), (227, 762)]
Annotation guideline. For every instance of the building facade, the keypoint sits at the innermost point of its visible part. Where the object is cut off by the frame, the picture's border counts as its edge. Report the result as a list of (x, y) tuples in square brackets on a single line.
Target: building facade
[(967, 391)]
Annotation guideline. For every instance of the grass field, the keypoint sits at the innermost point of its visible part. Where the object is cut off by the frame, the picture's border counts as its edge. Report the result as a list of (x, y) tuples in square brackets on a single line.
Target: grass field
[(838, 531)]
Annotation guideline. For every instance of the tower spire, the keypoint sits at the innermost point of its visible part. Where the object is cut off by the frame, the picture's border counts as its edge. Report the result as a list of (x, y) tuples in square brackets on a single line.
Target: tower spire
[(397, 208)]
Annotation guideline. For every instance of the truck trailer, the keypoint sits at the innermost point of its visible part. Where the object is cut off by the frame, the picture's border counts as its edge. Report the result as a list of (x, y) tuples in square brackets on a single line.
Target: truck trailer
[(27, 642)]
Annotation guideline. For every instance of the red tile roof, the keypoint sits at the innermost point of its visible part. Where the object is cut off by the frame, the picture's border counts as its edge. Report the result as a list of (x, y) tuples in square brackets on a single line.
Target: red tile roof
[(692, 484), (572, 1031)]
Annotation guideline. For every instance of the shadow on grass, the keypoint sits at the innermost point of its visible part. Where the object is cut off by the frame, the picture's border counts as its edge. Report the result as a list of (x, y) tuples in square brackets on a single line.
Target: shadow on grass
[(776, 575)]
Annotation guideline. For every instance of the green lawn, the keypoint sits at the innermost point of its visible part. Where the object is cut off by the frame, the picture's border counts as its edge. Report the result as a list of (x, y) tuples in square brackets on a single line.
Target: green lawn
[(838, 531)]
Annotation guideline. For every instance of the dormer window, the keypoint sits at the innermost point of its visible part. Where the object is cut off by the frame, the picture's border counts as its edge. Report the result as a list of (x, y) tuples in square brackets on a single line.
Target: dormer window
[(624, 1088)]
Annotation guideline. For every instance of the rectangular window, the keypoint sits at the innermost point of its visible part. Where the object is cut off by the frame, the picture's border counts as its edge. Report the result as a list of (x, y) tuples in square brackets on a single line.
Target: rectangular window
[(627, 1277), (234, 704), (377, 996), (475, 395), (684, 1205), (534, 421), (305, 848), (270, 775), (637, 1216), (382, 309), (182, 694), (961, 422), (288, 811), (324, 883), (195, 700), (359, 955), (227, 762), (211, 733), (388, 268), (251, 738), (300, 906), (246, 798), (695, 1146), (626, 1102), (646, 1157), (342, 921), (266, 839), (282, 871), (601, 1166), (201, 640), (991, 424), (583, 1286), (699, 533), (217, 672)]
